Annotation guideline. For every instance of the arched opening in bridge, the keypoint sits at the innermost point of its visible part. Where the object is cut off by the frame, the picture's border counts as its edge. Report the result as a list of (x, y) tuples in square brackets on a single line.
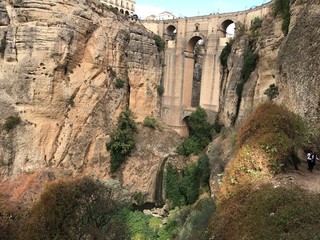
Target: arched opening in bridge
[(227, 29), (171, 32), (193, 72), (185, 127)]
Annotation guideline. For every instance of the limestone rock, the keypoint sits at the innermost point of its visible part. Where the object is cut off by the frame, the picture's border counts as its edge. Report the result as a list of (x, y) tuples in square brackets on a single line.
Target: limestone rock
[(59, 62)]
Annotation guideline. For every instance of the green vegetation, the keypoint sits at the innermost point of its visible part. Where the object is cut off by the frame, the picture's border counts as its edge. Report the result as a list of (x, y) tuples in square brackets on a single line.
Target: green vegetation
[(272, 92), (160, 43), (268, 213), (256, 23), (160, 90), (250, 62), (76, 209), (189, 222), (122, 139), (112, 73), (225, 54), (119, 83), (282, 8), (185, 189), (201, 132), (266, 144), (150, 122), (176, 219), (139, 225), (11, 122), (198, 221)]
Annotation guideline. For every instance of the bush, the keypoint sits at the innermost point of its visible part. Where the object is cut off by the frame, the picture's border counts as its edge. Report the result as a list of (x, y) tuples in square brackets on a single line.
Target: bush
[(173, 192), (268, 213), (272, 92), (76, 209), (190, 145), (160, 43), (185, 189), (198, 220), (119, 83), (250, 62), (11, 122), (282, 8), (225, 54), (176, 219), (150, 122), (160, 90), (201, 133), (139, 225), (122, 139), (276, 131), (256, 23)]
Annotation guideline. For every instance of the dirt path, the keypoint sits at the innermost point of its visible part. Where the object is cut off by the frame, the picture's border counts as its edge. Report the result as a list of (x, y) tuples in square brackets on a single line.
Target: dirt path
[(302, 177)]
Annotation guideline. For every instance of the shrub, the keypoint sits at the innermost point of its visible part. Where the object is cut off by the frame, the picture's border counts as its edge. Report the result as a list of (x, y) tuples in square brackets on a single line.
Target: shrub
[(160, 90), (176, 219), (201, 133), (112, 73), (119, 83), (173, 192), (11, 122), (225, 54), (272, 92), (268, 213), (139, 225), (76, 209), (160, 43), (185, 189), (275, 130), (10, 215), (150, 122), (282, 8), (249, 64), (256, 23), (198, 220), (122, 139), (190, 145)]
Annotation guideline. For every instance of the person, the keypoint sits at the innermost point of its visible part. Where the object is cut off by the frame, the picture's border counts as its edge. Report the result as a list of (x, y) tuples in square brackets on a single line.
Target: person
[(310, 158)]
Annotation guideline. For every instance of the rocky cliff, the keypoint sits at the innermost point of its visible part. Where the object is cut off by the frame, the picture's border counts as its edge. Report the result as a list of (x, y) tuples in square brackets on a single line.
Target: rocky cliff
[(67, 69), (290, 62)]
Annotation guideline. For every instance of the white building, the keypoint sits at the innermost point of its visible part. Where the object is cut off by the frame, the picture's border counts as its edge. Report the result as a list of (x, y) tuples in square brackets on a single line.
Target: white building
[(124, 6), (161, 16)]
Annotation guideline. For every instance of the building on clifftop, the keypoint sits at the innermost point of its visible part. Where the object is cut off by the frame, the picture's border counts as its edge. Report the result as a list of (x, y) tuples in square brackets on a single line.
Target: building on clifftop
[(123, 6)]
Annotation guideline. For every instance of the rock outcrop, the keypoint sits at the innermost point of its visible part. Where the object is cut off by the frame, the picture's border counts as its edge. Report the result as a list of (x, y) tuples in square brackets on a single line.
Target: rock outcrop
[(289, 62), (60, 65)]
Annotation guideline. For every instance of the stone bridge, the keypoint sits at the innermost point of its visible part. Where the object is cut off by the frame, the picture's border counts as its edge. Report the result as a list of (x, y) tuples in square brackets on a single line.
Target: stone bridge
[(182, 95)]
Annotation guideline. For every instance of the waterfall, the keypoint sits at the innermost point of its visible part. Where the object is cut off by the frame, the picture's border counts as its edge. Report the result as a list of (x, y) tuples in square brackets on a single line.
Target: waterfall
[(159, 184)]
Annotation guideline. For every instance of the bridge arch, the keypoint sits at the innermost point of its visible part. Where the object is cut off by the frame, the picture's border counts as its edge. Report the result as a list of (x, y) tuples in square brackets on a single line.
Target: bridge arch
[(226, 28), (193, 59), (171, 32)]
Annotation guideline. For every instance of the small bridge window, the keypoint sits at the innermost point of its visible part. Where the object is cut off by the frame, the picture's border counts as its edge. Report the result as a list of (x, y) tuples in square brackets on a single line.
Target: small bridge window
[(197, 27)]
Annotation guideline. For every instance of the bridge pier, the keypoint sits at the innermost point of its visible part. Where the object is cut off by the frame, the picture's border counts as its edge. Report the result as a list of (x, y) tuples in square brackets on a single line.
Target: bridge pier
[(181, 36)]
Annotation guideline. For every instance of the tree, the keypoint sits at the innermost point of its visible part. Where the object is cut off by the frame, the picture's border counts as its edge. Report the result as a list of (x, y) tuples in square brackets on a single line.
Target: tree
[(122, 139), (78, 209)]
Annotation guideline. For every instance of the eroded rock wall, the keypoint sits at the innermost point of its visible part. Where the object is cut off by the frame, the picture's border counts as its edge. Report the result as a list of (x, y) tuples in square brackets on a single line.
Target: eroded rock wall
[(59, 64), (290, 62)]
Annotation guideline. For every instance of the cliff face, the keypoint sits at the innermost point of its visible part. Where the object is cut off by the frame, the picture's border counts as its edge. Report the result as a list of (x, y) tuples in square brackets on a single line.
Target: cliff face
[(298, 64), (59, 65), (290, 62)]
